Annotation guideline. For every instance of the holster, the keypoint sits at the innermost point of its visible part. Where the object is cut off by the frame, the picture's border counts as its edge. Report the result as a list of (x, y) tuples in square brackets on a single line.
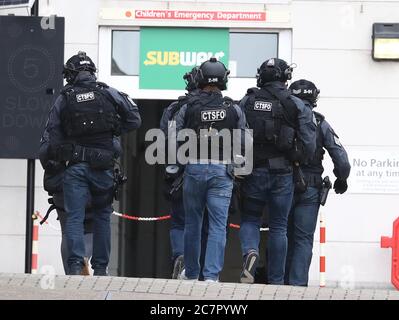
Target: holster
[(119, 181), (325, 189)]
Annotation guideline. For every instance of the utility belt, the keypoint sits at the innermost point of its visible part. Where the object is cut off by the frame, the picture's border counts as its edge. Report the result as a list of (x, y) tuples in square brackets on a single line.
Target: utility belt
[(274, 164), (313, 180), (100, 159)]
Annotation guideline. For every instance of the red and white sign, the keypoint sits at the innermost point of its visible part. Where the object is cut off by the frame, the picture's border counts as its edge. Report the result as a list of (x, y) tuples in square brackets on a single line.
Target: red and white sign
[(198, 15)]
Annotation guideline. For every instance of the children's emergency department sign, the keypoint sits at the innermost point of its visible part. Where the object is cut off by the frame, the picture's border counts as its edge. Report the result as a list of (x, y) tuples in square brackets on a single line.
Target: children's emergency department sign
[(198, 15), (166, 54), (374, 170)]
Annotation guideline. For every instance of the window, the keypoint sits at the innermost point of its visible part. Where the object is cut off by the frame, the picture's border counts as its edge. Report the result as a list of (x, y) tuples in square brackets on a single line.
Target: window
[(249, 50), (125, 53)]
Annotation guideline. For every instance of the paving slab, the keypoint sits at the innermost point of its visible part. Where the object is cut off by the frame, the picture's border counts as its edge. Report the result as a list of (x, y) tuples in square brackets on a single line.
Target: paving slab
[(25, 286)]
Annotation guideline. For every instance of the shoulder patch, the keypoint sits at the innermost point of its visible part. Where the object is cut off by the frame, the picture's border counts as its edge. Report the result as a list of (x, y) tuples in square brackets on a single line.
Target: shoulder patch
[(127, 97), (336, 138), (337, 142), (123, 94)]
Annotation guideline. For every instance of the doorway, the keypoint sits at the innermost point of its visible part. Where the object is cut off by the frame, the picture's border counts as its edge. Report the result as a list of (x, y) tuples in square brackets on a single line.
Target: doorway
[(144, 247)]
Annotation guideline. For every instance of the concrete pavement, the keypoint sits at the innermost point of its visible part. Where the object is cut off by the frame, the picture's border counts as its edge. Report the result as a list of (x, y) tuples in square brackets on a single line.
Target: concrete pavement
[(32, 287)]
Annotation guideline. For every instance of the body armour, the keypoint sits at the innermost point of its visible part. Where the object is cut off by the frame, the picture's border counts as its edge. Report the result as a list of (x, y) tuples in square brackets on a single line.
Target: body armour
[(181, 101), (273, 122), (90, 118), (208, 116)]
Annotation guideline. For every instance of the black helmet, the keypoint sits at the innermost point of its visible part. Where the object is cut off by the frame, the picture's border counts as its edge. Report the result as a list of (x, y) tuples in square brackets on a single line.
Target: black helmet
[(189, 78), (306, 90), (77, 63), (273, 70), (212, 72)]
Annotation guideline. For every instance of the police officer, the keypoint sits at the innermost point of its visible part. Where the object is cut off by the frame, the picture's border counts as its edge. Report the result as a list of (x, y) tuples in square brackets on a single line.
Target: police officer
[(283, 132), (81, 129), (303, 216), (173, 178), (208, 179), (53, 182)]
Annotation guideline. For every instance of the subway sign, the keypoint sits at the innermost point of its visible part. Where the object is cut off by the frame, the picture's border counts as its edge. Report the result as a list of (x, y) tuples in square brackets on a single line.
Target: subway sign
[(166, 54)]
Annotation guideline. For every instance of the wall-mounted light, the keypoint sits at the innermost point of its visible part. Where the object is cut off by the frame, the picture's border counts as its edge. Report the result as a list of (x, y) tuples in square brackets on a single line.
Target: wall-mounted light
[(386, 41)]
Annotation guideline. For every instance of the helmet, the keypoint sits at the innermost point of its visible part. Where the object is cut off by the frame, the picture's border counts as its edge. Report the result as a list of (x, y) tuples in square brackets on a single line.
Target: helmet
[(273, 70), (77, 63), (305, 89), (189, 78), (212, 72)]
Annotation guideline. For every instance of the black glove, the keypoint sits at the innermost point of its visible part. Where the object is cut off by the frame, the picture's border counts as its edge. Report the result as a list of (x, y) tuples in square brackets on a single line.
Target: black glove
[(340, 186)]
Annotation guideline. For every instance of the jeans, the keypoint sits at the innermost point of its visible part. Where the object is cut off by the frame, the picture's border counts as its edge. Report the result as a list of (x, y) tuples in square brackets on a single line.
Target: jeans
[(205, 186), (88, 231), (176, 232), (301, 227), (80, 182), (263, 188)]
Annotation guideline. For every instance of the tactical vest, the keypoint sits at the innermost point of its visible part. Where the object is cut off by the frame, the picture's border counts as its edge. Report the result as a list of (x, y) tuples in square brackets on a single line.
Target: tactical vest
[(89, 118), (206, 115), (273, 121), (314, 165), (175, 108), (181, 101)]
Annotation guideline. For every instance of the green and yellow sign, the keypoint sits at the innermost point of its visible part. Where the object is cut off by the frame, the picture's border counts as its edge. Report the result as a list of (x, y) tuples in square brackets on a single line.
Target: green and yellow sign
[(166, 54)]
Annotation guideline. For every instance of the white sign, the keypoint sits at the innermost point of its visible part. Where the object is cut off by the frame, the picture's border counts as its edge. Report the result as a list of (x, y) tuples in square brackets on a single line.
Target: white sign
[(374, 170)]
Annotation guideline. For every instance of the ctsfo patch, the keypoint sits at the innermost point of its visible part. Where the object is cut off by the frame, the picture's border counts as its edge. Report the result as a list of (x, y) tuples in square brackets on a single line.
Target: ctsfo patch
[(83, 97), (263, 106), (213, 115)]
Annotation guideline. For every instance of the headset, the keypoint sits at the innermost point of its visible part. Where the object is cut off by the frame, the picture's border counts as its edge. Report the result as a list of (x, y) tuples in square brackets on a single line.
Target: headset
[(272, 70)]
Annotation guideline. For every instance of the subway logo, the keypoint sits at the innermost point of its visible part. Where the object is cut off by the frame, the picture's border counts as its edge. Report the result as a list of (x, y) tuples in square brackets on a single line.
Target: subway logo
[(182, 58)]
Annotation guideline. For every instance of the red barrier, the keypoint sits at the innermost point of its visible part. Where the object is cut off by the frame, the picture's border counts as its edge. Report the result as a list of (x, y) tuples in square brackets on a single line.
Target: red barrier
[(393, 243), (322, 264), (35, 244)]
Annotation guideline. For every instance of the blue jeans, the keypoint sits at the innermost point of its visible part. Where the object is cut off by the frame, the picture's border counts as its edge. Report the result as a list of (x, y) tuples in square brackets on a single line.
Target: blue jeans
[(80, 182), (263, 188), (176, 232), (205, 186), (301, 228), (87, 226)]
